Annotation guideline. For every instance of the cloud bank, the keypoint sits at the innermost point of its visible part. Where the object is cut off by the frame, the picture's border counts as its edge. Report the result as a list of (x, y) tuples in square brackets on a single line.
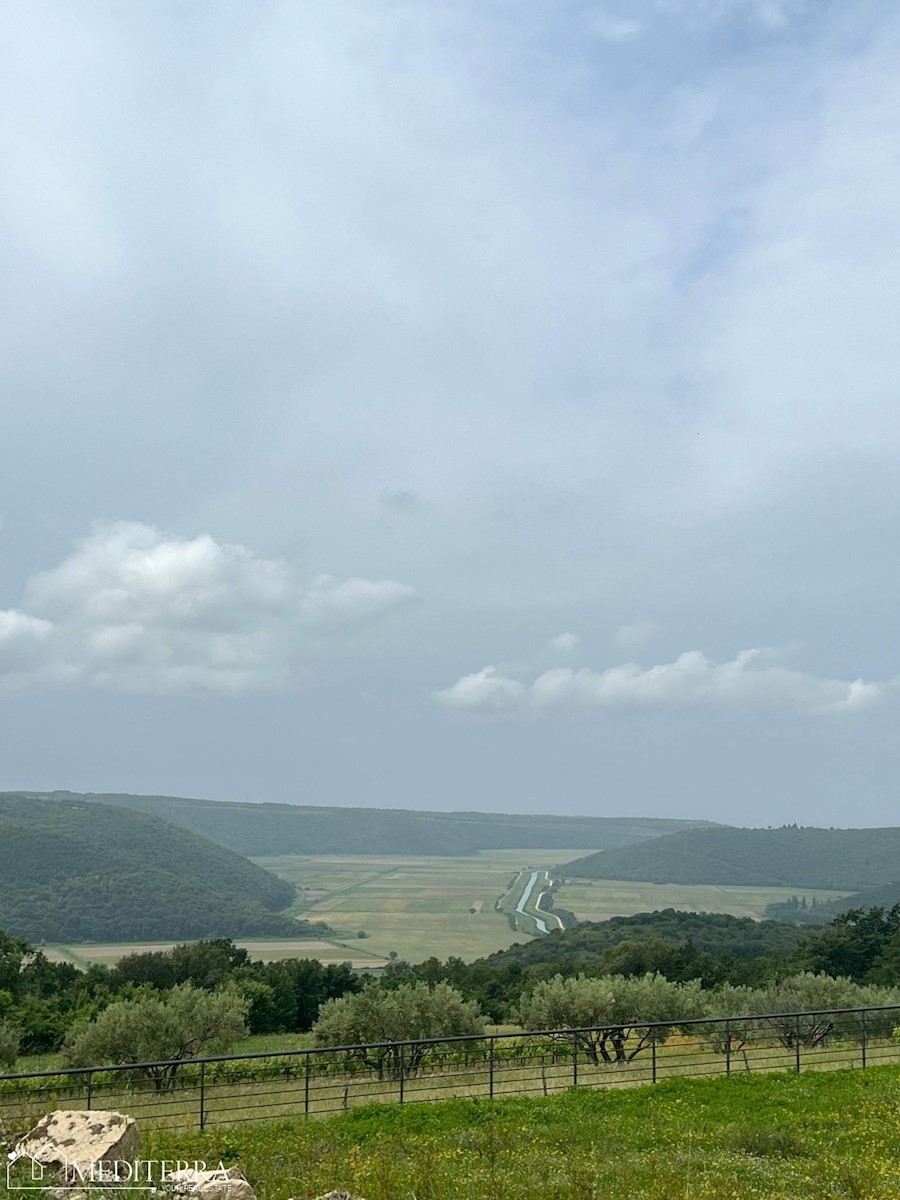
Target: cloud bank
[(754, 679), (139, 610)]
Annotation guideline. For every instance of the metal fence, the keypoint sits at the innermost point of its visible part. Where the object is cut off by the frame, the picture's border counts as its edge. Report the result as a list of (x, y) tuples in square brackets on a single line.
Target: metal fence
[(227, 1090)]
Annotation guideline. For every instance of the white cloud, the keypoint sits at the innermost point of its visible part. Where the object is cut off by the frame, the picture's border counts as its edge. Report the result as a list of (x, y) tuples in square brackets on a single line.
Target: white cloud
[(22, 642), (612, 28), (135, 609), (485, 691), (564, 643), (633, 637), (331, 601), (754, 679)]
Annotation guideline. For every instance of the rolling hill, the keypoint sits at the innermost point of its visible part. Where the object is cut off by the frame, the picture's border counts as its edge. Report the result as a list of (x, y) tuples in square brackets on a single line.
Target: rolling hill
[(583, 946), (71, 871), (792, 856), (258, 830)]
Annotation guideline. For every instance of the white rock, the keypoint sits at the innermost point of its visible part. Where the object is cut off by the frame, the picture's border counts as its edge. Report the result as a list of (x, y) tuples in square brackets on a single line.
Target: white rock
[(229, 1184), (81, 1144)]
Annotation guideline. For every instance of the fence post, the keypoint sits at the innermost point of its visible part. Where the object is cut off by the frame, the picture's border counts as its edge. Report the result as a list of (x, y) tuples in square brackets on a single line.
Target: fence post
[(400, 1048), (306, 1086), (797, 1043), (203, 1095), (864, 1039), (727, 1047), (653, 1052), (90, 1089), (491, 1070), (574, 1060)]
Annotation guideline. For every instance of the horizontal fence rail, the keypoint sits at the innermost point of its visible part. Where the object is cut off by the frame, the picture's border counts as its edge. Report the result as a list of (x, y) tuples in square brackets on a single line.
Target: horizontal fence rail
[(229, 1089)]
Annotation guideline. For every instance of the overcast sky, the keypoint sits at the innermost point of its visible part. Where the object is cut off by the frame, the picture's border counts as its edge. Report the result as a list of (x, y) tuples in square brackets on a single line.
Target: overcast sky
[(471, 404)]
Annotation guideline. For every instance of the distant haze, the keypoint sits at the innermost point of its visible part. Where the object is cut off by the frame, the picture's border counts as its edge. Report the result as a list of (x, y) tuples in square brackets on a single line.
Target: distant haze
[(453, 406)]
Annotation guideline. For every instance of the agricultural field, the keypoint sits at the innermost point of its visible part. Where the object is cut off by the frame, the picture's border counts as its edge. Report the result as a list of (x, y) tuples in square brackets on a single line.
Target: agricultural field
[(600, 899), (828, 1136), (264, 949), (413, 906), (418, 906)]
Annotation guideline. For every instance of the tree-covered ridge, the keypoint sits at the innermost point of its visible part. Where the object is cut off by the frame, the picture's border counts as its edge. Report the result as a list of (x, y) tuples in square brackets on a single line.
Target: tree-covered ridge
[(709, 933), (74, 871), (269, 829), (792, 856)]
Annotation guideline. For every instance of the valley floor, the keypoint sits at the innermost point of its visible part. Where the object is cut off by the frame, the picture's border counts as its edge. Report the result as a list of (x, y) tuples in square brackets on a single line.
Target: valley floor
[(412, 907)]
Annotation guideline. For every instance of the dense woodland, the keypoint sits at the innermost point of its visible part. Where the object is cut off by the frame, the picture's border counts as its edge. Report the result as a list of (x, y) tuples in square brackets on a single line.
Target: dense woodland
[(71, 871), (259, 830), (791, 856), (734, 958)]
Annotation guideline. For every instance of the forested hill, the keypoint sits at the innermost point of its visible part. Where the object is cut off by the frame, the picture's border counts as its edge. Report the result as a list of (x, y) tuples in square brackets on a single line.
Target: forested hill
[(265, 829), (792, 856), (587, 944), (71, 871)]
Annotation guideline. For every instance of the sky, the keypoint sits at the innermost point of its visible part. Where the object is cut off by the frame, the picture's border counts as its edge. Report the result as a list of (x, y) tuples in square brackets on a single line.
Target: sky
[(485, 405)]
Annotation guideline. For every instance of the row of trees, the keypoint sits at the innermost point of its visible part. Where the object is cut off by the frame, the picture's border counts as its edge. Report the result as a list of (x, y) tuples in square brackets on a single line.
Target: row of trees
[(652, 967), (611, 1020), (41, 1001)]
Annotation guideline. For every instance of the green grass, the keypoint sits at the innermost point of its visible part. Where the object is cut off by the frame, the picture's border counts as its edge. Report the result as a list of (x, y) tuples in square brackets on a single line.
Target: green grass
[(779, 1137)]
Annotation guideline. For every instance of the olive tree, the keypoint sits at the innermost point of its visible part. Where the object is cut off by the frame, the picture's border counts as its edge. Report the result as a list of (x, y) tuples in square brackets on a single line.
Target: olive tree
[(817, 999), (161, 1029), (608, 1015), (804, 1010), (371, 1023)]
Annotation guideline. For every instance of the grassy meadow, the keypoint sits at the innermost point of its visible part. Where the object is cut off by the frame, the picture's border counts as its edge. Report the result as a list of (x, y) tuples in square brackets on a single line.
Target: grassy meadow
[(832, 1136)]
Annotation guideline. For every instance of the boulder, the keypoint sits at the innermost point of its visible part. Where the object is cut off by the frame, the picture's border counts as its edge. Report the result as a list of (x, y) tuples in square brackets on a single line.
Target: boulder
[(228, 1184), (75, 1145), (338, 1196)]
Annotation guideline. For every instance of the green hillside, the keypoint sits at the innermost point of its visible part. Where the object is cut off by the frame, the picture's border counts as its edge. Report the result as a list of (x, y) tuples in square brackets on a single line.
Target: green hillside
[(709, 933), (843, 859), (71, 871), (259, 830)]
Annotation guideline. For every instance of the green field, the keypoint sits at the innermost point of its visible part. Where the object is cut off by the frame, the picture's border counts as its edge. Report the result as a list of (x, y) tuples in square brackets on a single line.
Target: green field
[(600, 899), (782, 1137)]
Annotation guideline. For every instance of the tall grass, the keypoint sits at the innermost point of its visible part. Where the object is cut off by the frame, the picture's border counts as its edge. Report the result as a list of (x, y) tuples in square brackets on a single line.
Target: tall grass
[(775, 1137)]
